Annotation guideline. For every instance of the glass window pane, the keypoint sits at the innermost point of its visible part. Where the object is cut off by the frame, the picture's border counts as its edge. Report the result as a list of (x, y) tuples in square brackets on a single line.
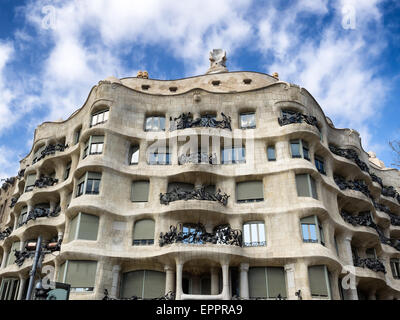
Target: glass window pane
[(261, 232), (295, 148), (162, 123), (271, 153), (313, 232), (254, 232), (246, 233)]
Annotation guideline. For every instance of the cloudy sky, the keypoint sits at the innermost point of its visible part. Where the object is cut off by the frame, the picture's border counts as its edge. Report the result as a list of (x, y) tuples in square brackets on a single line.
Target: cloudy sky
[(344, 52)]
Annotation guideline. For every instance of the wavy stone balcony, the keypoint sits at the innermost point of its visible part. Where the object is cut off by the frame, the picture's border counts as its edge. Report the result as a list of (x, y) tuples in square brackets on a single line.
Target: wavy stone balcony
[(5, 233)]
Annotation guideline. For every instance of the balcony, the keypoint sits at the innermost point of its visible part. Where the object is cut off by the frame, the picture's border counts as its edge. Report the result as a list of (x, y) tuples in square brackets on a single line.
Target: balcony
[(196, 234), (290, 117), (41, 213), (30, 249), (370, 263), (351, 155), (5, 233), (44, 182), (50, 150), (198, 158), (357, 185), (198, 193), (389, 191), (168, 296), (185, 121)]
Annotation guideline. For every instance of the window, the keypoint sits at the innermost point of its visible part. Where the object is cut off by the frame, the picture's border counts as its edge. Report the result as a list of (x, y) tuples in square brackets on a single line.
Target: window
[(192, 232), (11, 257), (233, 155), (395, 266), (254, 234), (312, 230), (94, 145), (134, 154), (140, 191), (188, 187), (155, 124), (336, 246), (305, 185), (248, 120), (299, 149), (320, 164), (38, 154), (370, 253), (77, 135), (99, 117), (271, 153), (30, 182), (84, 227), (249, 191), (67, 170), (9, 289), (267, 282), (319, 281), (23, 216), (144, 284), (160, 157), (81, 275), (89, 183), (143, 232)]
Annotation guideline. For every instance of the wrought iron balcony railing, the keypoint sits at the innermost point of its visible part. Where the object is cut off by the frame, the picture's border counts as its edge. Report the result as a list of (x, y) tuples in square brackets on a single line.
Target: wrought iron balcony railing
[(370, 263), (41, 213), (198, 235), (50, 150), (29, 251), (168, 296), (5, 233), (357, 185), (185, 121), (44, 182), (199, 193), (198, 158), (291, 117)]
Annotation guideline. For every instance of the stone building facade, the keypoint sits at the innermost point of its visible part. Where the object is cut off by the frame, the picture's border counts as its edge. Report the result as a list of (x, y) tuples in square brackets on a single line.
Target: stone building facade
[(228, 185)]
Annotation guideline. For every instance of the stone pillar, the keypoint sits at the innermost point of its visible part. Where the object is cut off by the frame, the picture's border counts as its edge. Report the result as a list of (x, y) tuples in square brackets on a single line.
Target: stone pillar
[(351, 293), (179, 269), (5, 258), (225, 282), (22, 283), (116, 275), (335, 294), (214, 281), (301, 279), (291, 285), (169, 279), (244, 280)]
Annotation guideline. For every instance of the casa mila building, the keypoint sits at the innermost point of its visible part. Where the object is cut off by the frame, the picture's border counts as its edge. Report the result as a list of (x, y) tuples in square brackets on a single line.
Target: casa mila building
[(227, 185)]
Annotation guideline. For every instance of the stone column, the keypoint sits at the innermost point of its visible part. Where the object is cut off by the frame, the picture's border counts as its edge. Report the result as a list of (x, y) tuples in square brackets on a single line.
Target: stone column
[(301, 279), (291, 285), (335, 285), (5, 258), (116, 275), (22, 283), (169, 279), (244, 280), (225, 282), (351, 292), (214, 281), (179, 269)]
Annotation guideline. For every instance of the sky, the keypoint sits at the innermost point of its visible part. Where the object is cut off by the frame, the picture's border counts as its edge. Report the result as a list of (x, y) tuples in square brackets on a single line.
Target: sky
[(346, 53)]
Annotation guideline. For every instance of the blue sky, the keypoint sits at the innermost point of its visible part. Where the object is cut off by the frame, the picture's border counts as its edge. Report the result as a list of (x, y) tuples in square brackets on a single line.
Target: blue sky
[(344, 52)]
